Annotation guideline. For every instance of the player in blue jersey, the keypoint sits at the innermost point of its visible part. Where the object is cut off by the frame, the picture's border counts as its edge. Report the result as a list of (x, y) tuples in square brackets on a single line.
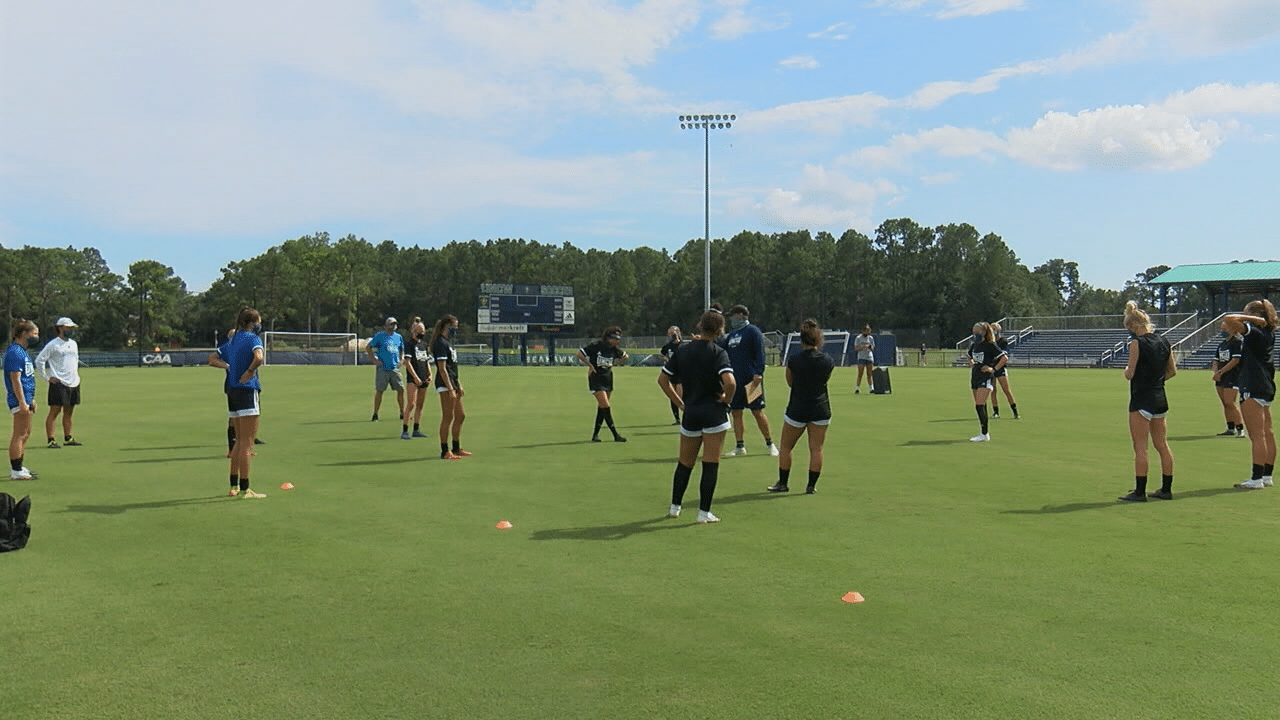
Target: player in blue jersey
[(20, 386), (386, 352), (745, 345), (244, 356)]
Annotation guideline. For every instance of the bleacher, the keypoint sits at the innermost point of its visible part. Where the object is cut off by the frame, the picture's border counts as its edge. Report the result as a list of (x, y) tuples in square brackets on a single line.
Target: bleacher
[(1065, 348)]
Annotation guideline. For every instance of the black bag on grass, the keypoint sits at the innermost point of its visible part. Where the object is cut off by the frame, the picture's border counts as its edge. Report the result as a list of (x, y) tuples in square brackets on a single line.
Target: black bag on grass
[(14, 530)]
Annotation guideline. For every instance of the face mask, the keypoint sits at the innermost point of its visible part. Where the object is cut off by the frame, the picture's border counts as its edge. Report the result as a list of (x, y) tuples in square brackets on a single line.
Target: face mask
[(453, 333), (257, 329), (977, 337), (33, 341), (671, 338), (737, 323), (68, 334), (418, 337)]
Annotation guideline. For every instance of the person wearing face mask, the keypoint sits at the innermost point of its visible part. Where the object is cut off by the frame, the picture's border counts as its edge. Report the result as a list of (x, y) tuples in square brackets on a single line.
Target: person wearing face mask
[(389, 349), (59, 365), (243, 357), (1226, 374), (448, 388), (864, 346), (20, 376), (417, 365), (745, 345), (600, 357), (985, 358), (673, 342)]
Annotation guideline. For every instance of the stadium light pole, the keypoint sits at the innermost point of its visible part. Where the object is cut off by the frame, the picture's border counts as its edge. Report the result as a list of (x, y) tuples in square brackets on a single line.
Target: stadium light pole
[(706, 123)]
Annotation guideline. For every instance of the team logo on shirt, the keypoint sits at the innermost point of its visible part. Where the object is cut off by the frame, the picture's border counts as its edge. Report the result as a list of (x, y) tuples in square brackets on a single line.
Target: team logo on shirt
[(735, 340), (604, 362)]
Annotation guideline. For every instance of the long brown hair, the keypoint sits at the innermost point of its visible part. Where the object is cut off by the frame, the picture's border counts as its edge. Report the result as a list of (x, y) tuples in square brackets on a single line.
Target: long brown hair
[(20, 326), (247, 318), (1265, 310), (442, 325), (811, 334), (711, 324)]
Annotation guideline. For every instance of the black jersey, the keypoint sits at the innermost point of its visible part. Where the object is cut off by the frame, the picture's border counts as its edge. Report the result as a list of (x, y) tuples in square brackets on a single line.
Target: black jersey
[(1257, 373), (983, 354), (810, 371), (419, 353), (669, 349), (1146, 388), (441, 349), (602, 356), (699, 365), (1230, 348)]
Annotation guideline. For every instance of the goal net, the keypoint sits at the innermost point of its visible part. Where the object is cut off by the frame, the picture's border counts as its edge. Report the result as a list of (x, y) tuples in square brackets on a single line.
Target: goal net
[(835, 343), (291, 348)]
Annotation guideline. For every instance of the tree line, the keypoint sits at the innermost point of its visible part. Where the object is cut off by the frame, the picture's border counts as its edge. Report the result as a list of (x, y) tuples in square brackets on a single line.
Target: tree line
[(935, 281)]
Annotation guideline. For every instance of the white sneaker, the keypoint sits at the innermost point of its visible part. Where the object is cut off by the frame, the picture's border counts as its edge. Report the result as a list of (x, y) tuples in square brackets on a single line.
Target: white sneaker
[(1250, 484), (1266, 481), (773, 450), (23, 474), (707, 517), (984, 437), (736, 452), (674, 511)]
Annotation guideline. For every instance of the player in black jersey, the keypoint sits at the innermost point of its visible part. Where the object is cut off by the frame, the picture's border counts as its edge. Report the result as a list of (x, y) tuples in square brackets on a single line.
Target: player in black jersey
[(809, 408), (707, 385), (1001, 377), (417, 362), (1257, 331), (985, 357), (601, 357), (1226, 374), (1151, 362), (450, 390), (673, 341)]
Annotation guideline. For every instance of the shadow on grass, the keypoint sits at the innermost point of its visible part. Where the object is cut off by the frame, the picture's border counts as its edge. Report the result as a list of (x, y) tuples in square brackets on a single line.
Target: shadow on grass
[(433, 455), (334, 422), (549, 444), (971, 418), (926, 443), (171, 447), (1185, 438), (377, 438), (118, 509), (149, 461), (1075, 507), (612, 532)]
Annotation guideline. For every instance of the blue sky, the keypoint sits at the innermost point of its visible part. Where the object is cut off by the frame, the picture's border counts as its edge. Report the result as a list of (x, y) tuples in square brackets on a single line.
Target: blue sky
[(1119, 134)]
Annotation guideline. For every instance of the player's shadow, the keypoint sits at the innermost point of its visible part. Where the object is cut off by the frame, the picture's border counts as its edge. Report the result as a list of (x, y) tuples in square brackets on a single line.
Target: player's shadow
[(1076, 507), (927, 443), (534, 446), (169, 447), (953, 420), (1186, 438), (645, 461), (151, 461), (611, 532), (381, 461), (157, 504), (333, 422)]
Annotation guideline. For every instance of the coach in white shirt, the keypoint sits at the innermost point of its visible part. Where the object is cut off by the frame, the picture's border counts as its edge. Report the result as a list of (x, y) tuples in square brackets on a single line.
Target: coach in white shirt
[(59, 363)]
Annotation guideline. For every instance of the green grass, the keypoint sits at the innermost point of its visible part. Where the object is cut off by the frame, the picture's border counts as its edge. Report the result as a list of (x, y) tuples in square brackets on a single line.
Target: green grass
[(1002, 580)]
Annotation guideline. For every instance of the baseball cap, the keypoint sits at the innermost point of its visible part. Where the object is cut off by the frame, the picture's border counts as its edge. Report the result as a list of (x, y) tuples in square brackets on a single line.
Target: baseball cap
[(65, 322), (391, 321)]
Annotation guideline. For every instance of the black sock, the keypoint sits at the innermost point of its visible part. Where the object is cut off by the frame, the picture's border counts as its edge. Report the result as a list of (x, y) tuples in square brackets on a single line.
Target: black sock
[(982, 417), (235, 481), (231, 438), (444, 449), (768, 442), (680, 483), (15, 464), (1267, 469), (51, 439), (1231, 427), (742, 443), (707, 489), (813, 477), (784, 475), (599, 421), (457, 445), (416, 428), (608, 418), (1166, 483), (1139, 484), (1014, 408), (1257, 472), (244, 483), (404, 427)]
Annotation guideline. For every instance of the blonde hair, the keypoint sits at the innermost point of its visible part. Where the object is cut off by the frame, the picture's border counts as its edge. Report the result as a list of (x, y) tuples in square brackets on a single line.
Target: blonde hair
[(1135, 319), (1265, 310), (988, 334)]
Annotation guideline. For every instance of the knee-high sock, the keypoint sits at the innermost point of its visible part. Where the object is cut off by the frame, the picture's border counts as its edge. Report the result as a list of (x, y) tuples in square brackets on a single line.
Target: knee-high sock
[(680, 483), (599, 420), (982, 417), (608, 418), (707, 488)]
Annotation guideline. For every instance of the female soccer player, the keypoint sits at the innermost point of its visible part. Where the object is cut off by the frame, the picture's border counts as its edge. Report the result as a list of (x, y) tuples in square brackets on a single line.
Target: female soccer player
[(985, 357), (707, 385), (1257, 331), (450, 390), (809, 408), (20, 386), (1001, 377), (1226, 374), (1150, 364), (673, 341), (417, 363), (600, 357), (243, 357)]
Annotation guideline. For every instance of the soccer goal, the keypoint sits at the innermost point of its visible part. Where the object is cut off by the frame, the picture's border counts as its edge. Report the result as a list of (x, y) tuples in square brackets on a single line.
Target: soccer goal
[(293, 348), (835, 343)]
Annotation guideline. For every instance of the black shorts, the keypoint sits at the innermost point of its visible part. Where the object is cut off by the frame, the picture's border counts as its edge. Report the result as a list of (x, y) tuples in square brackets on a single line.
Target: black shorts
[(801, 415), (978, 383), (1153, 403), (597, 382), (1227, 383), (1002, 372), (242, 402), (62, 396), (699, 419), (740, 399)]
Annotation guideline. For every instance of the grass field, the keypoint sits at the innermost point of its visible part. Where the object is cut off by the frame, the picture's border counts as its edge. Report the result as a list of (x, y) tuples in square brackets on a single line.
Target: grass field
[(1002, 580)]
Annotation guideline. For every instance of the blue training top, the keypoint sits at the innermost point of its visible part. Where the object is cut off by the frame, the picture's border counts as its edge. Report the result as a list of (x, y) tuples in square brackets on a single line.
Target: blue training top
[(388, 347), (746, 351), (16, 359), (239, 355)]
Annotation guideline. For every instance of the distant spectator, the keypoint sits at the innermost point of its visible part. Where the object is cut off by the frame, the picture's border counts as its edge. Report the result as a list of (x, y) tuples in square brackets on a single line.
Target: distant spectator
[(922, 362), (1257, 330), (386, 351), (864, 346), (59, 364)]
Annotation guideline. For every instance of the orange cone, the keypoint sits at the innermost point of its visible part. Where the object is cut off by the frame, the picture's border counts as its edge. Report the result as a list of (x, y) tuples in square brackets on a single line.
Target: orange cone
[(853, 597), (503, 525), (287, 486)]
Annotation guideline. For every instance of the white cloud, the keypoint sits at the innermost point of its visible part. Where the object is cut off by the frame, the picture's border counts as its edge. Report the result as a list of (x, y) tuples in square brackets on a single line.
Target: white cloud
[(736, 22), (829, 115), (954, 8), (800, 62), (1199, 27), (1130, 137), (944, 178), (825, 200), (832, 32), (1222, 98)]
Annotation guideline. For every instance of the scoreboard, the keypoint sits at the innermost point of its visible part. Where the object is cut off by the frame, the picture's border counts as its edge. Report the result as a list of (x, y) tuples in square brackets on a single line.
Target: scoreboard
[(516, 308)]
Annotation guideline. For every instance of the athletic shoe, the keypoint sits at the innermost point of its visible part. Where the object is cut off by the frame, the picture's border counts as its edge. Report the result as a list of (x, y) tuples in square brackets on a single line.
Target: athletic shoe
[(856, 391), (374, 418), (1161, 495), (1016, 416), (773, 450), (256, 441), (233, 492), (736, 452), (706, 517), (778, 488), (53, 445), (449, 456), (984, 437), (1229, 432), (595, 438), (618, 438), (677, 422), (71, 443), (674, 511), (1267, 481), (810, 490), (995, 414), (1240, 432), (30, 472), (461, 453), (1250, 484), (405, 435), (1133, 496), (23, 474), (419, 433), (251, 494)]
